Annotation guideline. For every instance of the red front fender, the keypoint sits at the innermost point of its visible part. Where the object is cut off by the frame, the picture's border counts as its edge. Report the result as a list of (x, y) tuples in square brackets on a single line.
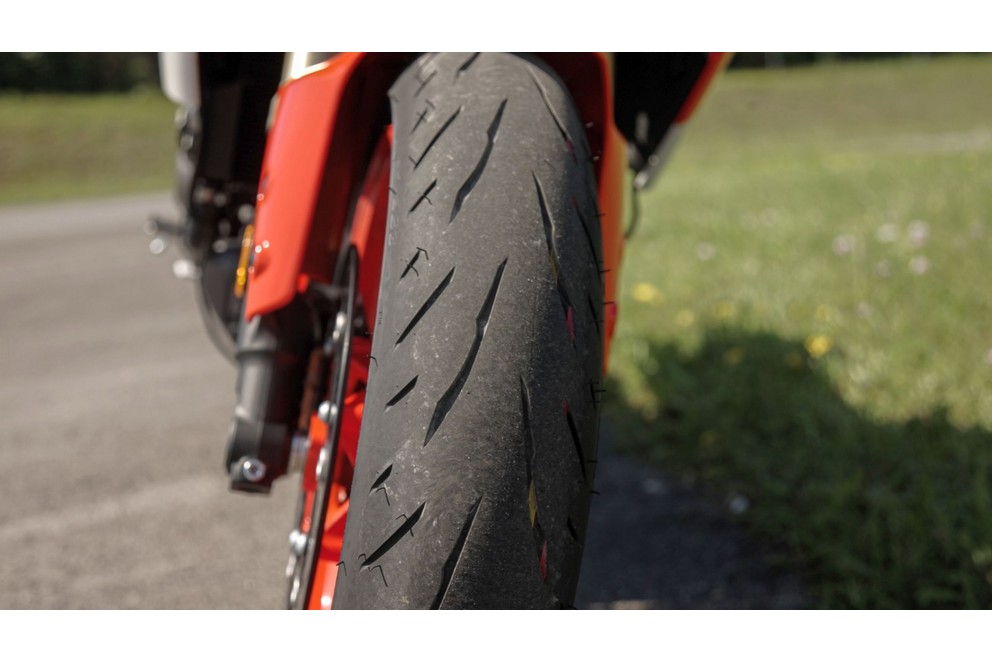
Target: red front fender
[(319, 147), (321, 141)]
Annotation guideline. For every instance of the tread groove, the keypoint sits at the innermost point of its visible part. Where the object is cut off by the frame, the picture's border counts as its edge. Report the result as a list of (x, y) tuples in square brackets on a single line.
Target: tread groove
[(473, 178), (424, 82), (398, 534), (448, 571), (574, 432), (383, 476), (424, 61), (540, 543), (436, 294), (466, 64), (595, 317), (422, 115), (454, 390), (571, 529), (423, 196), (403, 392), (587, 232), (528, 430), (549, 235), (409, 266), (437, 136), (569, 143)]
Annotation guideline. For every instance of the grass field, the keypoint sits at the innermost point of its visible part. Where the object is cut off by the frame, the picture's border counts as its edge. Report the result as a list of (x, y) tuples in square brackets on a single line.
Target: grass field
[(54, 147), (806, 315), (806, 323)]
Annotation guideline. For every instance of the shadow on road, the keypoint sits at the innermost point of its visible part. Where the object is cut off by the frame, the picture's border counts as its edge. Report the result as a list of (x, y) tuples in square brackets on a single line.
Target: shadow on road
[(881, 514)]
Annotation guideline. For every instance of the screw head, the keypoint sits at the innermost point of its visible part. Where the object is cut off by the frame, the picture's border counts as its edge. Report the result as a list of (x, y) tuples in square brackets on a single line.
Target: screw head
[(322, 464), (340, 322), (327, 412), (297, 543), (253, 469), (246, 213)]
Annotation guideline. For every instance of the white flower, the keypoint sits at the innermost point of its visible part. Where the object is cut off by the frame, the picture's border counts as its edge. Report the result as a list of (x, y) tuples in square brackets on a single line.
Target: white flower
[(919, 232), (705, 251), (843, 244), (919, 265), (887, 233)]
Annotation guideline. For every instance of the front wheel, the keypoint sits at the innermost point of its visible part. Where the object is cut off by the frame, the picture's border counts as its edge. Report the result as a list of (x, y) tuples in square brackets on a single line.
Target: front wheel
[(477, 450)]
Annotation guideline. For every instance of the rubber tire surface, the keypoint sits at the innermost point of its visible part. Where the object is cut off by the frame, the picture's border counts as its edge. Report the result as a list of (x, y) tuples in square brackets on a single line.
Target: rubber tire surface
[(478, 442)]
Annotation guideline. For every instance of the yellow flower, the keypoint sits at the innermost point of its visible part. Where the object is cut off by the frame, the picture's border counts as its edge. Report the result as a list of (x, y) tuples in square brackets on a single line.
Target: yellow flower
[(685, 318), (647, 293), (709, 438), (818, 345), (733, 356), (824, 313), (725, 310)]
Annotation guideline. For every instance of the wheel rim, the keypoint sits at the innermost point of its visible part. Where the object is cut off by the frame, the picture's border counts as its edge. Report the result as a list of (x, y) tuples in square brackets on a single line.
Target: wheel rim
[(303, 566)]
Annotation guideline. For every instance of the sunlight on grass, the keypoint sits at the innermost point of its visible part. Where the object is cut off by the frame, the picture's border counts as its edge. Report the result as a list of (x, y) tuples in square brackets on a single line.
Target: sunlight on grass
[(822, 242), (60, 146)]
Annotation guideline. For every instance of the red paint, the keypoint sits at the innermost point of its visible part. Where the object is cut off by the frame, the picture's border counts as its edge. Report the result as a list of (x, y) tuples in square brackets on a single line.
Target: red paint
[(543, 563), (292, 175), (316, 158), (325, 576), (368, 230)]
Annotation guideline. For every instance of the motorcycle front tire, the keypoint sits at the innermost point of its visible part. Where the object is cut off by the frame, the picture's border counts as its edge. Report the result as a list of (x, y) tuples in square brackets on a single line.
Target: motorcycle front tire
[(478, 443)]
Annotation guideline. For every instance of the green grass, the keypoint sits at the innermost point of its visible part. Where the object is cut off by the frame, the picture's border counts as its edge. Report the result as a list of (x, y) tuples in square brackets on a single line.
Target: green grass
[(806, 321), (61, 146)]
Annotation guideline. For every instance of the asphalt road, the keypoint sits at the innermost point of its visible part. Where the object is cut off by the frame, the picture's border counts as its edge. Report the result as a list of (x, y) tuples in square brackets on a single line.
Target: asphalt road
[(113, 410)]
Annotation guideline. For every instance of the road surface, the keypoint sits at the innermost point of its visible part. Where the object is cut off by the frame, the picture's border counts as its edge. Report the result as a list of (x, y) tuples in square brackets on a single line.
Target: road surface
[(114, 407)]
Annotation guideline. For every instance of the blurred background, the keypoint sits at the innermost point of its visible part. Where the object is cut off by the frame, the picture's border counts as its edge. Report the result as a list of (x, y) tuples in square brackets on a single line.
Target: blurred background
[(798, 405)]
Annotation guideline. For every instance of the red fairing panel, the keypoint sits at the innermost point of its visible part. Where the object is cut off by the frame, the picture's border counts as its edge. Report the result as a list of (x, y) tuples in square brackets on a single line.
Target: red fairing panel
[(290, 185)]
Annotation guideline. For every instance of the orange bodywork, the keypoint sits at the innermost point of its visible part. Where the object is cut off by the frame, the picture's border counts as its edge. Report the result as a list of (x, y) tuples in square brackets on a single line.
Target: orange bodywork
[(290, 183)]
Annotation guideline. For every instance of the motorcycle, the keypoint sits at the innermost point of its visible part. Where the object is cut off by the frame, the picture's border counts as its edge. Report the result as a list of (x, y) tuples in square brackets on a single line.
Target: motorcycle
[(413, 261)]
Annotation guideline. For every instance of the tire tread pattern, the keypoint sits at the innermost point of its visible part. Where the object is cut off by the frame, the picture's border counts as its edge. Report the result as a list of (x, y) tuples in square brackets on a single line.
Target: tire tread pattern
[(481, 420)]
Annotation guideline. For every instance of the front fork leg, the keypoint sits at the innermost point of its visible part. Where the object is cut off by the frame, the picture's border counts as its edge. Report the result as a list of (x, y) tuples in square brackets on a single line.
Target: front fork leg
[(272, 353)]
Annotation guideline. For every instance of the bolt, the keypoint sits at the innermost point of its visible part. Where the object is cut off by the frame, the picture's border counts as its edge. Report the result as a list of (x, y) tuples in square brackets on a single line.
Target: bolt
[(246, 213), (340, 321), (327, 412), (203, 195), (322, 462), (252, 469), (297, 543)]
